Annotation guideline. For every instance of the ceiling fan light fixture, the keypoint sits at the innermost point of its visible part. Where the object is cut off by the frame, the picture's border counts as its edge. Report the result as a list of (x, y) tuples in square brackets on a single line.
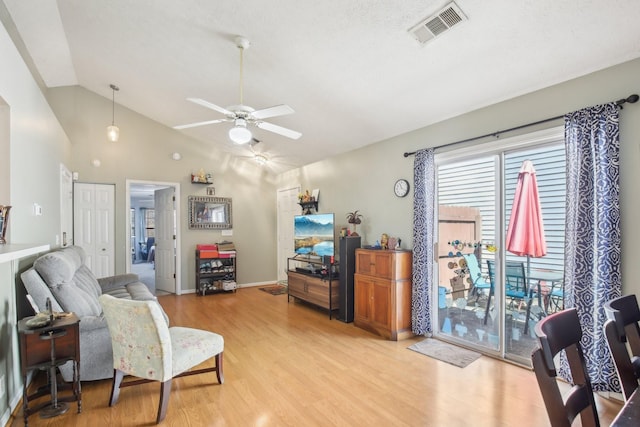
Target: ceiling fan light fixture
[(239, 134), (260, 159)]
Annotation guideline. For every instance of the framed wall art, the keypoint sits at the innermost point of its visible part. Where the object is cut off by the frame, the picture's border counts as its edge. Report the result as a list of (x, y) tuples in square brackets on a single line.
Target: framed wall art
[(209, 212)]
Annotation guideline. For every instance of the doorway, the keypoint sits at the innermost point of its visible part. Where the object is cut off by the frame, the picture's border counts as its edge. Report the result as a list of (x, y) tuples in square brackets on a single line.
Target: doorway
[(153, 235), (489, 298)]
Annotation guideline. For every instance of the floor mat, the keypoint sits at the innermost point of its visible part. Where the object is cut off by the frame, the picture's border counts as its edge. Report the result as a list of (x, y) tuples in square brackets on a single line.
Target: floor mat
[(275, 289), (445, 352)]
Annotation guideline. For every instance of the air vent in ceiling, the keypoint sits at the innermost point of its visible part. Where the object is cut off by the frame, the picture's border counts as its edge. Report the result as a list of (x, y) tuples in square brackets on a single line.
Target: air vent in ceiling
[(437, 24)]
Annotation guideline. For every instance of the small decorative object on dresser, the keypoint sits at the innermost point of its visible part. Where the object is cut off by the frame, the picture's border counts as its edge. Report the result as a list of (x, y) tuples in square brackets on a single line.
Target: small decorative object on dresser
[(4, 221)]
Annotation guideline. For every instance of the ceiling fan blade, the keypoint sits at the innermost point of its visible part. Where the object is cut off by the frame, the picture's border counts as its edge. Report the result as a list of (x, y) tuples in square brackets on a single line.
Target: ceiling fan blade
[(210, 105), (192, 125), (276, 110), (279, 130)]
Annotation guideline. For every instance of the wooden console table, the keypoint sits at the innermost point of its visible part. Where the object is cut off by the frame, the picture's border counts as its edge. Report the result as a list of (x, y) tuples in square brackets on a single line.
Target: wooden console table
[(47, 348)]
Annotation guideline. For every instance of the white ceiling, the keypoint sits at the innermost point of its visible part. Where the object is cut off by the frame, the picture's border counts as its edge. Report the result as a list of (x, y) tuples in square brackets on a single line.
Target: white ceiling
[(349, 69)]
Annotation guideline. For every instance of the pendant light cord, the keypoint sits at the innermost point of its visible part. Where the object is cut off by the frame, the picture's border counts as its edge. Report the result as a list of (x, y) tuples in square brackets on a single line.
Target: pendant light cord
[(114, 88), (241, 73)]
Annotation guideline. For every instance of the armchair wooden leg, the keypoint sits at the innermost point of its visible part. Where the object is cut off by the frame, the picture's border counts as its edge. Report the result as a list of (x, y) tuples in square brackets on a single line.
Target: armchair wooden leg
[(165, 390), (115, 386), (219, 373)]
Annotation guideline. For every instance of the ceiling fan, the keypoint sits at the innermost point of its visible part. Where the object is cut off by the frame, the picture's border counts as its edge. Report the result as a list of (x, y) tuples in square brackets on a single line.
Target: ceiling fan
[(242, 115)]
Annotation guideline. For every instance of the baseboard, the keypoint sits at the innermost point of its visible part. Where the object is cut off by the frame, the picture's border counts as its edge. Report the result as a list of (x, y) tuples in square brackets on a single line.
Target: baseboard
[(244, 285), (13, 404), (254, 284)]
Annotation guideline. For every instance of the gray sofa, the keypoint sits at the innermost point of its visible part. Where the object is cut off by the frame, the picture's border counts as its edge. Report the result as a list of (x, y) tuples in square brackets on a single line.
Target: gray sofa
[(62, 276)]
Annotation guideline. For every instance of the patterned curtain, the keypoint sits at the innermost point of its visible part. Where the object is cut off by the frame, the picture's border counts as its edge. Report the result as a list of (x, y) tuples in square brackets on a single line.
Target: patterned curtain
[(592, 242), (423, 230)]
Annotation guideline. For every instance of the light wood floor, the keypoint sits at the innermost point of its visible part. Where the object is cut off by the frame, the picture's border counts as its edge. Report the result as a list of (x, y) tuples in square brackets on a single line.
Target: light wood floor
[(287, 364)]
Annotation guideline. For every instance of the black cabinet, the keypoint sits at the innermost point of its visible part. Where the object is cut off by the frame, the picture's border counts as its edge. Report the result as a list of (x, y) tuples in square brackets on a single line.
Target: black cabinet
[(347, 252)]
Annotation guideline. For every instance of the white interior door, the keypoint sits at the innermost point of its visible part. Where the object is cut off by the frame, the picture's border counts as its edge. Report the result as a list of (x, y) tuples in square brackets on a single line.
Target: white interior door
[(165, 256), (66, 206), (288, 208), (94, 225)]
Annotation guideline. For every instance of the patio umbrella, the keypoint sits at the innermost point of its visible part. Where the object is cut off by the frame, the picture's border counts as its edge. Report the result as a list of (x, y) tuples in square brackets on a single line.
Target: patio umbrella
[(525, 235)]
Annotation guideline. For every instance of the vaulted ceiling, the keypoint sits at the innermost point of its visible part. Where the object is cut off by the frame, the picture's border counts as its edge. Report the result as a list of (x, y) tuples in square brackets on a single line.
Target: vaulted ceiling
[(350, 69)]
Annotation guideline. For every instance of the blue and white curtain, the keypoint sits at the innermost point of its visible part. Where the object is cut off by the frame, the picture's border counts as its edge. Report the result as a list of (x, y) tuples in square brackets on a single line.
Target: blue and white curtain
[(423, 238), (593, 240)]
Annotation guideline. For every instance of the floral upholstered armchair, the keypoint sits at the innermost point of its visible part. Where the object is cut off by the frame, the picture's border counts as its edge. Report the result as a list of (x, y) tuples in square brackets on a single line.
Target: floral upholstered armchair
[(144, 346)]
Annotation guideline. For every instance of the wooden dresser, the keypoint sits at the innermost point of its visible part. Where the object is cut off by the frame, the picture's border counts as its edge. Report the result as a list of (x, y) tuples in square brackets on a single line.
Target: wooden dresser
[(382, 292)]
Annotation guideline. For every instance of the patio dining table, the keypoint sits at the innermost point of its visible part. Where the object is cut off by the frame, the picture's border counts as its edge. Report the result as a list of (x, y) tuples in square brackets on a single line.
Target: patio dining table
[(552, 277)]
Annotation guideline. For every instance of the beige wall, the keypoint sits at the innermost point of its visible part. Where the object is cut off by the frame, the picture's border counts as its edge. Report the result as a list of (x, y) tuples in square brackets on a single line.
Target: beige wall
[(143, 152), (363, 179), (32, 145)]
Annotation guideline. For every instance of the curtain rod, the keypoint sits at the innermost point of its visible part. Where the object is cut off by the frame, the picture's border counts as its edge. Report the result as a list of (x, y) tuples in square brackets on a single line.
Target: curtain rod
[(632, 99)]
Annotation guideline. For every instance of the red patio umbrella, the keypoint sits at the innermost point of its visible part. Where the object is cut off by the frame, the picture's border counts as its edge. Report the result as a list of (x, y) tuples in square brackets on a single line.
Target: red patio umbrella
[(525, 235)]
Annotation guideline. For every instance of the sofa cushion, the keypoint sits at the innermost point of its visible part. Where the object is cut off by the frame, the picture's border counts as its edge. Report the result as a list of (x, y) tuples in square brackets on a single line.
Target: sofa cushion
[(70, 281), (136, 291)]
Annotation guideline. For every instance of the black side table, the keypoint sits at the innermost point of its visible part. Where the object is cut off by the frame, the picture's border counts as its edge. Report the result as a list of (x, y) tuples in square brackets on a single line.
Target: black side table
[(47, 348)]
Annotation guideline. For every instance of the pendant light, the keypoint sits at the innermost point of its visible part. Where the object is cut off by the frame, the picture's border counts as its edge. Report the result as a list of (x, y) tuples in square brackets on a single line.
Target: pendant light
[(113, 132)]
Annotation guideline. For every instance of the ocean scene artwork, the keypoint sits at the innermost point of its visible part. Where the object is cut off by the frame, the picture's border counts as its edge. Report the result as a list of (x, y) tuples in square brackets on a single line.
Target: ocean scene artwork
[(314, 234)]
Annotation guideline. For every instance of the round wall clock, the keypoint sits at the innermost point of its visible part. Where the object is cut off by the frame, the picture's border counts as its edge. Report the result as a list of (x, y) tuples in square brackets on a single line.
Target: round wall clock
[(401, 188)]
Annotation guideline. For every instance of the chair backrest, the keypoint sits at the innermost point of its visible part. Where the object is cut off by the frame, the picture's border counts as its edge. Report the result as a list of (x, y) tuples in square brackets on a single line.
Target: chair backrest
[(516, 281), (140, 337), (622, 328), (474, 268), (557, 332)]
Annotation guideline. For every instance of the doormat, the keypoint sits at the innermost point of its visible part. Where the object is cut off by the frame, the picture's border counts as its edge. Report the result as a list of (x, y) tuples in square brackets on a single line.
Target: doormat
[(275, 289), (445, 352)]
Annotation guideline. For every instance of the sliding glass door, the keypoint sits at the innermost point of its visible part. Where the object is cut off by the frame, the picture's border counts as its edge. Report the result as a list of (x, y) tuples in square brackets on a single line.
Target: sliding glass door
[(489, 298)]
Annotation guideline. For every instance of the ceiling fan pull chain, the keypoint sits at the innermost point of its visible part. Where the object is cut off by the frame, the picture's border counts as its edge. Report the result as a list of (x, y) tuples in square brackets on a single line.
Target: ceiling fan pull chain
[(241, 76)]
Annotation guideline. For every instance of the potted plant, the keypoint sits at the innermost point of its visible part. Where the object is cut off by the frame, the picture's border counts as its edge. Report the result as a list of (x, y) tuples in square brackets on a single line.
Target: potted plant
[(354, 218)]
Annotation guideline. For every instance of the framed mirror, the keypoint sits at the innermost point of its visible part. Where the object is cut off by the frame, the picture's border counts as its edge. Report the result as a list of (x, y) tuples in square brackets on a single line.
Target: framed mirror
[(209, 212)]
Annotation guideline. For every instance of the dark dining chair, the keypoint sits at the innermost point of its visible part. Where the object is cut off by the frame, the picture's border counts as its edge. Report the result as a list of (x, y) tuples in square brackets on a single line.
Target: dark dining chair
[(621, 329), (556, 332)]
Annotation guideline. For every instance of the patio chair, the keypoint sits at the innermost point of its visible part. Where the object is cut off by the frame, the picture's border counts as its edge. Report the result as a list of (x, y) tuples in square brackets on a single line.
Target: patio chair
[(557, 332), (515, 287), (478, 283), (622, 328), (556, 297)]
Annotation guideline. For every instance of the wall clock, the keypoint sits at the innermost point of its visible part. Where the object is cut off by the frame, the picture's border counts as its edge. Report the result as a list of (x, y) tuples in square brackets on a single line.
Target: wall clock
[(401, 188)]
